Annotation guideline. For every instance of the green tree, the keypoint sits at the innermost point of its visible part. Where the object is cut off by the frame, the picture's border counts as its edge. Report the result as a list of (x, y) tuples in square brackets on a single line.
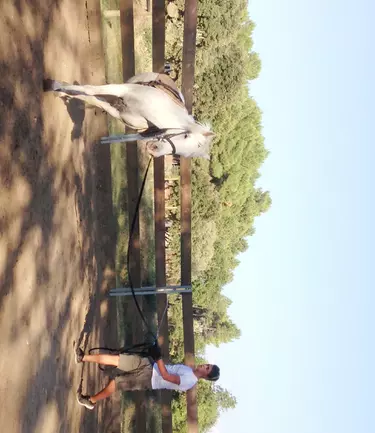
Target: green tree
[(226, 197), (212, 400)]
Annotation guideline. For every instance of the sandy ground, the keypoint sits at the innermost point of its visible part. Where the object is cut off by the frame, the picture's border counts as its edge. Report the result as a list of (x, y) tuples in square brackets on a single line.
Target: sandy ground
[(57, 233)]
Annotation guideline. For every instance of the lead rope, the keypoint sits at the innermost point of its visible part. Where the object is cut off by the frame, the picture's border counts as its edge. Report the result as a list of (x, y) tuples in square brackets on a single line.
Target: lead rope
[(141, 348)]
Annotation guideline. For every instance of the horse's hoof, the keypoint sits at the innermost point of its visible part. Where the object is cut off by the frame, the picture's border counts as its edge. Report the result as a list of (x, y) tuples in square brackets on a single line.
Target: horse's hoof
[(51, 85), (47, 85)]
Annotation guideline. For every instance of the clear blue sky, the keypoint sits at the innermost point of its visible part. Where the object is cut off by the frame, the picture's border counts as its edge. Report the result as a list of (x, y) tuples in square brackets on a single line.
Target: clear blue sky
[(303, 294)]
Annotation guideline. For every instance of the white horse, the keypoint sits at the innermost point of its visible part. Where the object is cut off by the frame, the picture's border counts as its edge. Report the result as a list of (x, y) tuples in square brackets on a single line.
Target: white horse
[(152, 105)]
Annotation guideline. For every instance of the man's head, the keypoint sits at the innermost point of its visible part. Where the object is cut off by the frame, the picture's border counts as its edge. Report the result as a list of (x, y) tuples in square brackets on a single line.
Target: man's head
[(208, 371)]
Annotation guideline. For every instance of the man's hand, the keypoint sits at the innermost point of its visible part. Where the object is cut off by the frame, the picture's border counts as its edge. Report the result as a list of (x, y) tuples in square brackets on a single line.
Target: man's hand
[(173, 378), (155, 352)]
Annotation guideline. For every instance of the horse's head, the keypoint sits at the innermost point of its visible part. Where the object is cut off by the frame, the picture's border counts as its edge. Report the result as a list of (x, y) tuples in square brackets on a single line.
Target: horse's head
[(194, 143)]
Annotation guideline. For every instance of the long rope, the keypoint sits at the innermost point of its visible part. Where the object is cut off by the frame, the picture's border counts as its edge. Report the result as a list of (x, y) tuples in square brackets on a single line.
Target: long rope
[(132, 227), (141, 348)]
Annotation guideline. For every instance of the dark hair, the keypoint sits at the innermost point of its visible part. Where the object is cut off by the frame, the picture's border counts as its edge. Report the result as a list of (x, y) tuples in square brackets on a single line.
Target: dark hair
[(214, 374)]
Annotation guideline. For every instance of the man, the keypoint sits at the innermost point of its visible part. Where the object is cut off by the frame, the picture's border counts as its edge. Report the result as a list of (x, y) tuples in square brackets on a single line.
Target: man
[(139, 373)]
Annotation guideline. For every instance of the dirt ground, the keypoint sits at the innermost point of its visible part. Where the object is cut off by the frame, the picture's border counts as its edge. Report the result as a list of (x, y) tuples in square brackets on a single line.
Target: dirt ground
[(57, 233)]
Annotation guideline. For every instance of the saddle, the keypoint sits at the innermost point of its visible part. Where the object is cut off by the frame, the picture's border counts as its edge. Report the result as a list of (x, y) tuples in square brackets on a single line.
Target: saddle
[(161, 82), (150, 79)]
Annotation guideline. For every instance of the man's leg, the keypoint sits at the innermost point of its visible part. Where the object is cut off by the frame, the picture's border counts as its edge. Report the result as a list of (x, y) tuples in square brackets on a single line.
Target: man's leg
[(102, 359), (89, 402), (104, 393)]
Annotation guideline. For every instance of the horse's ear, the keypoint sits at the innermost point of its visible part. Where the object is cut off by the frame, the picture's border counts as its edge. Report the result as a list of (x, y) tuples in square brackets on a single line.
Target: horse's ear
[(209, 134)]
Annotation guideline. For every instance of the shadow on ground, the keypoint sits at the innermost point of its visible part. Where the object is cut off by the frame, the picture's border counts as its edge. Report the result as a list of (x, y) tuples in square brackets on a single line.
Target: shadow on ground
[(57, 228)]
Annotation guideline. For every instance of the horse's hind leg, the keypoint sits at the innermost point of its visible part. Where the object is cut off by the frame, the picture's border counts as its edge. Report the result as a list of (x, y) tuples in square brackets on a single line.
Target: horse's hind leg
[(83, 93), (116, 90)]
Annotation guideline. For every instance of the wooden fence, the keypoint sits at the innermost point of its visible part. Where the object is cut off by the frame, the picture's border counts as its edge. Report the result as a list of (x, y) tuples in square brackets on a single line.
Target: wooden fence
[(158, 61)]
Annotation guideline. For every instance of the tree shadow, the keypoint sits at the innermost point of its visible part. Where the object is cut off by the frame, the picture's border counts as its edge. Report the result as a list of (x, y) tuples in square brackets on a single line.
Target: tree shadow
[(52, 244)]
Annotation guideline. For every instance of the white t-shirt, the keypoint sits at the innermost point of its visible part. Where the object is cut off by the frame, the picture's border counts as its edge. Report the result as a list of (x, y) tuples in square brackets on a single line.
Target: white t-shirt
[(187, 378)]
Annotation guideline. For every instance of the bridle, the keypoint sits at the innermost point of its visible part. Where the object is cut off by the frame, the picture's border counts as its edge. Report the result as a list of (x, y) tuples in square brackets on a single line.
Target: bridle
[(161, 135)]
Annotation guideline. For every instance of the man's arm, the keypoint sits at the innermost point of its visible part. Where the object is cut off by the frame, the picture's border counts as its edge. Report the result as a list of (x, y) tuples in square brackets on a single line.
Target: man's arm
[(173, 378)]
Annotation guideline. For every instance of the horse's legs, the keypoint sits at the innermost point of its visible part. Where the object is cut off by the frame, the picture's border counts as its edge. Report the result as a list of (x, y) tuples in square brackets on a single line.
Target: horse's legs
[(83, 93), (92, 100), (107, 89)]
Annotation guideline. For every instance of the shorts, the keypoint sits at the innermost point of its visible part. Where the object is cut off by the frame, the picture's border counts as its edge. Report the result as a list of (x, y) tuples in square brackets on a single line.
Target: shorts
[(134, 373)]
